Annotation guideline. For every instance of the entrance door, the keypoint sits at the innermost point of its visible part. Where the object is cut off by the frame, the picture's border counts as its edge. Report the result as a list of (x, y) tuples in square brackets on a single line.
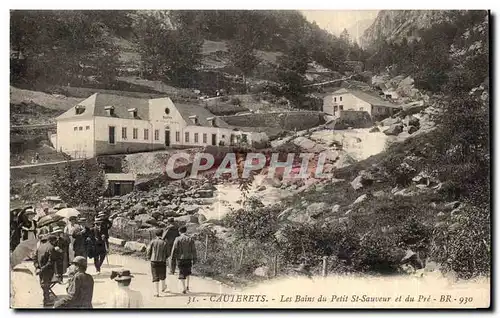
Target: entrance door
[(111, 135), (214, 140), (167, 138), (116, 189)]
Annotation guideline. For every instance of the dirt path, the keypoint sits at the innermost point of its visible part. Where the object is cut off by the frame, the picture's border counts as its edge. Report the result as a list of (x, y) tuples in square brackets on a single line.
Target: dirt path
[(44, 164), (26, 291)]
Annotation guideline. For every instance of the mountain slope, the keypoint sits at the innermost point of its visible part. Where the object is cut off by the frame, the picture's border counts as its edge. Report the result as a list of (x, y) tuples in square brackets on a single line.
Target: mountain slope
[(394, 25)]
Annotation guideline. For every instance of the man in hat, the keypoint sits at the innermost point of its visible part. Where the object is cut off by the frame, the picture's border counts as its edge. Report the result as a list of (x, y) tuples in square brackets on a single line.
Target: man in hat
[(80, 235), (99, 246), (62, 243), (104, 224), (124, 297), (80, 288), (44, 261), (158, 252), (184, 251), (171, 232)]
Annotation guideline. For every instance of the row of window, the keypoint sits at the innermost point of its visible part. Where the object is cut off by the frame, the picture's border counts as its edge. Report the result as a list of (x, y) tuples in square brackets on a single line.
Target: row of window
[(76, 128), (335, 99), (196, 137), (135, 133)]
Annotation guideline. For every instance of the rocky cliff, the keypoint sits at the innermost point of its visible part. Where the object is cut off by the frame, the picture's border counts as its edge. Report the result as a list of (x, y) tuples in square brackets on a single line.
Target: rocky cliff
[(394, 25)]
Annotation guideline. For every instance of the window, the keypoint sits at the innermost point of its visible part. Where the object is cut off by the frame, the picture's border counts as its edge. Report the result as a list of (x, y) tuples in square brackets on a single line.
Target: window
[(244, 138), (157, 134), (204, 138), (75, 128), (167, 111), (195, 138), (177, 136), (186, 136), (111, 134), (146, 134), (124, 132), (340, 98), (341, 107), (335, 99), (80, 110), (80, 128), (87, 127), (135, 132), (335, 109)]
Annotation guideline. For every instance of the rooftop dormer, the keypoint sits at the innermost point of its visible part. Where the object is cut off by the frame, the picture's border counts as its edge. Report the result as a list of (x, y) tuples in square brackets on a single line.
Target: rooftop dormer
[(110, 110), (79, 109), (212, 122), (194, 119), (132, 112)]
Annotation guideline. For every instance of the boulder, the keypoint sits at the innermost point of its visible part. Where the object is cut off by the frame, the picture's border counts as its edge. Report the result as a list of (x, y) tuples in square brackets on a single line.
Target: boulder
[(316, 209), (336, 208), (364, 178), (186, 219), (391, 121), (356, 183), (135, 246), (262, 271), (452, 205), (205, 193), (441, 215), (201, 218), (122, 224), (191, 209), (360, 199), (455, 226), (285, 214), (394, 130), (413, 121), (379, 194), (116, 241), (261, 188), (412, 129), (139, 208), (145, 218), (343, 220), (374, 129)]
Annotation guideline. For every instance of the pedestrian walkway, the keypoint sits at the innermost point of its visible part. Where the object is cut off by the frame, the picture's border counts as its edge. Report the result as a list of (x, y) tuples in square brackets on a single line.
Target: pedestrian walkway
[(26, 291)]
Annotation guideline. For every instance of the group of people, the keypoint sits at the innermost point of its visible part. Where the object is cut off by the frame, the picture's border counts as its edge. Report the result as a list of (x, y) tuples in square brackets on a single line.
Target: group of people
[(22, 225), (171, 248), (172, 244), (60, 252)]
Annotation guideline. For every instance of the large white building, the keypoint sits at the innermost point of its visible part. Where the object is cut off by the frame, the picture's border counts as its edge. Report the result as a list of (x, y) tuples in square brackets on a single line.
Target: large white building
[(111, 124), (357, 100)]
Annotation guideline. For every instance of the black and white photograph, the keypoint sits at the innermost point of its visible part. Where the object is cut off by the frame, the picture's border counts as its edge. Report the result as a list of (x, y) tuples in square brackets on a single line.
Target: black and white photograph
[(250, 159)]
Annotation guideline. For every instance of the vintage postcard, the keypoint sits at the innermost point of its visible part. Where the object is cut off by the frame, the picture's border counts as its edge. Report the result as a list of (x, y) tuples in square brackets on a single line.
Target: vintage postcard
[(250, 159)]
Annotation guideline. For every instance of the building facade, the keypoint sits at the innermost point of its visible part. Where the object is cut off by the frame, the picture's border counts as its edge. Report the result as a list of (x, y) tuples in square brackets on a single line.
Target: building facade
[(111, 124), (356, 100)]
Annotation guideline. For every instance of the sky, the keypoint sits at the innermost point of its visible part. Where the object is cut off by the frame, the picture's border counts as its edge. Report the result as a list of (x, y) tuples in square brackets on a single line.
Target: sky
[(335, 21)]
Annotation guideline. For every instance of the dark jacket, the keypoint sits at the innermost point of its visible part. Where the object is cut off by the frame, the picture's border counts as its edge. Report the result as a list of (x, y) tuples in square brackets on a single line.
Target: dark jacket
[(169, 235), (184, 248), (80, 291), (96, 245), (81, 241), (45, 260), (158, 250)]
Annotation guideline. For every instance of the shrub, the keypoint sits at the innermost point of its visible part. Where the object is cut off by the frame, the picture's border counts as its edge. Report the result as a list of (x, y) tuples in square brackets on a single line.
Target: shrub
[(465, 248)]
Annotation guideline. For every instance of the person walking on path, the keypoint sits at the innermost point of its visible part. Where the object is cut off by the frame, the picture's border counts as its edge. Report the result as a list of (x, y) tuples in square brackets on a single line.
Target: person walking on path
[(158, 252), (61, 243), (69, 229), (184, 252), (80, 287), (44, 262), (98, 246), (123, 296), (171, 232)]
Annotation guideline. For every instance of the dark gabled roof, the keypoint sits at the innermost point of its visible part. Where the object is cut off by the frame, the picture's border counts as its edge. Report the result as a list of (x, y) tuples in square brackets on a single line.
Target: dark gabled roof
[(202, 113), (367, 96), (121, 106)]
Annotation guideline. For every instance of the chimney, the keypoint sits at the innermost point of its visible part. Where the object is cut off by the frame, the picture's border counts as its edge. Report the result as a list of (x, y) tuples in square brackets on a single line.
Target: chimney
[(110, 110), (211, 120), (132, 112), (194, 119)]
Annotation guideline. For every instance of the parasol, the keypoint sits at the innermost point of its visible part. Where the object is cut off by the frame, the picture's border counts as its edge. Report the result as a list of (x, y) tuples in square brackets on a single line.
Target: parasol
[(23, 250), (60, 206), (68, 212), (49, 219)]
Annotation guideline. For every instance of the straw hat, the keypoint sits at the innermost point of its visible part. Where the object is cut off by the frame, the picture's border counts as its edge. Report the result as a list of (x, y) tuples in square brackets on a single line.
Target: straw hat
[(121, 275)]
